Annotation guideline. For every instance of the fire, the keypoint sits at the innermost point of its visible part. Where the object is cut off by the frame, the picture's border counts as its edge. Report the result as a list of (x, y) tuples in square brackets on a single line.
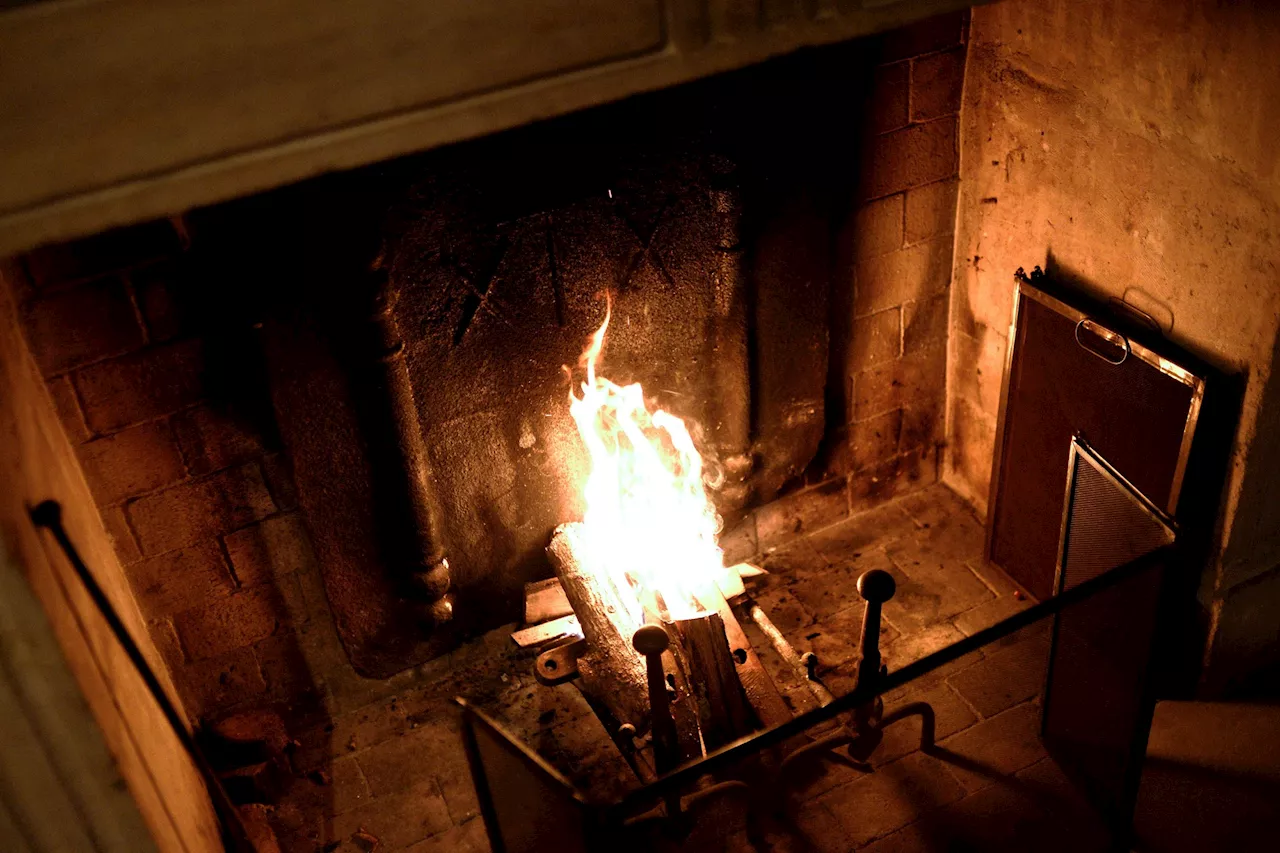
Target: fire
[(649, 526)]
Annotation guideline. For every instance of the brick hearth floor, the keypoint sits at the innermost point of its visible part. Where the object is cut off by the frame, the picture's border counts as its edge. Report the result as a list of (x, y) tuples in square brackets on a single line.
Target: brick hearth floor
[(394, 770)]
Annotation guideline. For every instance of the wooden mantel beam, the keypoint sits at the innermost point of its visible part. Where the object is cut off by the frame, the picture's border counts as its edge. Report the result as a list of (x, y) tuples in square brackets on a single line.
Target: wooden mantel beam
[(120, 111)]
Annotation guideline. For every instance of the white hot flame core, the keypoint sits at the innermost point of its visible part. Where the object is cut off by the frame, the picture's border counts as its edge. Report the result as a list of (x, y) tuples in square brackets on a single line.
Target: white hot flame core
[(649, 525)]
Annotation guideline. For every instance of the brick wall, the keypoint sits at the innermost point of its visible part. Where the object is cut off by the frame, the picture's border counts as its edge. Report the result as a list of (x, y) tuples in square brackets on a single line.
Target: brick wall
[(194, 493), (891, 291)]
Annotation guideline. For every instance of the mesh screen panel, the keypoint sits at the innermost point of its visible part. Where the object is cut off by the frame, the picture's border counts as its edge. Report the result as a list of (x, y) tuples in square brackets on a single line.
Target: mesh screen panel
[(1108, 525), (1096, 709)]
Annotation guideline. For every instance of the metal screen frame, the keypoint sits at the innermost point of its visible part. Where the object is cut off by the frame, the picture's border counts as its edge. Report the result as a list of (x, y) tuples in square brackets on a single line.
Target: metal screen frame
[(1082, 452), (600, 821), (1119, 810), (577, 834)]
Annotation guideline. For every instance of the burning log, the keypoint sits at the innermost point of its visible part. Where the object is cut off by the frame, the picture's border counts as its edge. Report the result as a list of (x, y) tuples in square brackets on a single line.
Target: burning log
[(644, 566), (611, 670), (614, 674)]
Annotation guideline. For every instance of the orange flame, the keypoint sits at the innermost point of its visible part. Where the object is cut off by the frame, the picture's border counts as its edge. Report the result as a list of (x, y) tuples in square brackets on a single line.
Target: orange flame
[(649, 525)]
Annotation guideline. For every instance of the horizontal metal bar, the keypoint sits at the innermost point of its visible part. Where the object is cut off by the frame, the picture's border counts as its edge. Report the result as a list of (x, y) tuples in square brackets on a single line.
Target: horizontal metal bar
[(754, 743)]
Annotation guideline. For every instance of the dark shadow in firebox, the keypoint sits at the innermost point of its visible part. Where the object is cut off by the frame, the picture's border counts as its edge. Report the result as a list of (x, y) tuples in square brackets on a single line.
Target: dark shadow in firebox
[(213, 298)]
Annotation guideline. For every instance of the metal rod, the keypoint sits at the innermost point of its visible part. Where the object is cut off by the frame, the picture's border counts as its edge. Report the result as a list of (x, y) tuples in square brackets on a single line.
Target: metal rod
[(928, 721), (48, 514), (863, 693), (651, 641), (876, 587), (787, 652)]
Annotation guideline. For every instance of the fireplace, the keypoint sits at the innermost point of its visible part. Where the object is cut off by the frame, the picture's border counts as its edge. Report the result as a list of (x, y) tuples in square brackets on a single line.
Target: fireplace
[(364, 374), (326, 434)]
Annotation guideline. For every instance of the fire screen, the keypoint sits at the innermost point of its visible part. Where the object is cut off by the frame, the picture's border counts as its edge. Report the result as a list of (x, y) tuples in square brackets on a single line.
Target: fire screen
[(1097, 705)]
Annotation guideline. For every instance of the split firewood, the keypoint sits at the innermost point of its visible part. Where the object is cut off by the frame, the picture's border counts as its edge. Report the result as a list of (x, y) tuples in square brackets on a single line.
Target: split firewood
[(731, 585), (724, 714), (721, 690), (545, 600)]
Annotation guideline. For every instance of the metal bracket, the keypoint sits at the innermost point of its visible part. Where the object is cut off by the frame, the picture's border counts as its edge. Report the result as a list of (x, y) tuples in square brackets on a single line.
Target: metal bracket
[(558, 665)]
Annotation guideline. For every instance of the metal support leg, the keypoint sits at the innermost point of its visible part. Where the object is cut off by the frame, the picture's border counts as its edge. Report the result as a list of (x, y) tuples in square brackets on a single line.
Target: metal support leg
[(651, 641), (928, 721), (876, 587), (866, 728)]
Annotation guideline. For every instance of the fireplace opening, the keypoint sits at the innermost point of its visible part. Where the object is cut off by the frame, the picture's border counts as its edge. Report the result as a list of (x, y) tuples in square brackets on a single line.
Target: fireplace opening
[(335, 449), (651, 428)]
